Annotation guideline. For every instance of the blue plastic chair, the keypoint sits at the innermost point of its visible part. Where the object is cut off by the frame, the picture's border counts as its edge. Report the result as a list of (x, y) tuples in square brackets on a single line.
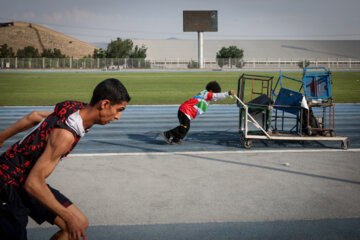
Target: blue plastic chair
[(317, 84)]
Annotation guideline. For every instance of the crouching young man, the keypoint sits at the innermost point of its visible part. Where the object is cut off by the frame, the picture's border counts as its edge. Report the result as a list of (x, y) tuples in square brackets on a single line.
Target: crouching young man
[(25, 166)]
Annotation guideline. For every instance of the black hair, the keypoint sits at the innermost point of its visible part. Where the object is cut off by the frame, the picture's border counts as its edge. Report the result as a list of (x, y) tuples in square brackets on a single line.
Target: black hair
[(213, 86), (111, 89)]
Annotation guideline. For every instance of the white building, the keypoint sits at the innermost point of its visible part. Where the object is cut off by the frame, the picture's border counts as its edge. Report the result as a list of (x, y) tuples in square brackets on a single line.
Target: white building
[(259, 49)]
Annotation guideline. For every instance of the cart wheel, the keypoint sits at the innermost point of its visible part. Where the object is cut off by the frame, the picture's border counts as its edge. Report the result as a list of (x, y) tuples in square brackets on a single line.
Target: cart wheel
[(247, 143), (345, 144)]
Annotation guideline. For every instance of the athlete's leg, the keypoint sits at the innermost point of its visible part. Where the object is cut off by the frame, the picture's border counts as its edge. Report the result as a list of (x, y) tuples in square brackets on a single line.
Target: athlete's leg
[(13, 214), (40, 213), (180, 132)]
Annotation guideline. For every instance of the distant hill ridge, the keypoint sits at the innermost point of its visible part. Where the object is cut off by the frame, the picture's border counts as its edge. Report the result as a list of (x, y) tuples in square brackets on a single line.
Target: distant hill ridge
[(21, 34)]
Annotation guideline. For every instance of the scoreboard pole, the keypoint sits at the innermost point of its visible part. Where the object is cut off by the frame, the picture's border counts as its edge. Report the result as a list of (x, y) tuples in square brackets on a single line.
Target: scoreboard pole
[(201, 49), (200, 22)]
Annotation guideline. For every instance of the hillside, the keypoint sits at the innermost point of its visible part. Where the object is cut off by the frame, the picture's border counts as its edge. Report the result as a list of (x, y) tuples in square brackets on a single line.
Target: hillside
[(20, 34)]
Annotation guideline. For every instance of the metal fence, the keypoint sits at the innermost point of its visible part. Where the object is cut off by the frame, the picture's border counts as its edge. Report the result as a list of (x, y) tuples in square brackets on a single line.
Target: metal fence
[(214, 64)]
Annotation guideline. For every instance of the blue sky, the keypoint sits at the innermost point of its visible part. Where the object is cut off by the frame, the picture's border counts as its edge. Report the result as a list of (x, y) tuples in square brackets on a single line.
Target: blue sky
[(102, 21)]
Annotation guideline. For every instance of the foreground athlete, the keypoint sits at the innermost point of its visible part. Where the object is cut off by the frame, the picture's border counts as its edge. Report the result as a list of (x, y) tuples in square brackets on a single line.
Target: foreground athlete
[(25, 166)]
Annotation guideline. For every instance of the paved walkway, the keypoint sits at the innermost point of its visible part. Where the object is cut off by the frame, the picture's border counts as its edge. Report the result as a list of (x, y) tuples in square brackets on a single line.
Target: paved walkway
[(239, 195)]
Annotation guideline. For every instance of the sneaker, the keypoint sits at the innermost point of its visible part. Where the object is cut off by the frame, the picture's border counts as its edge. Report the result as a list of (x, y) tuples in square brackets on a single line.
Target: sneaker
[(177, 142), (166, 137)]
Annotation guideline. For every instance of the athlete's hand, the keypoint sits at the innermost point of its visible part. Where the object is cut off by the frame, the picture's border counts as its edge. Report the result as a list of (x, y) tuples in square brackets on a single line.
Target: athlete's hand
[(76, 231), (232, 92)]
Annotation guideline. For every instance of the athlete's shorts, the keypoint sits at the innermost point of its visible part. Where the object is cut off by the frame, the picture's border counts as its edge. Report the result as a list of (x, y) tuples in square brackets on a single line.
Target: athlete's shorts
[(15, 207)]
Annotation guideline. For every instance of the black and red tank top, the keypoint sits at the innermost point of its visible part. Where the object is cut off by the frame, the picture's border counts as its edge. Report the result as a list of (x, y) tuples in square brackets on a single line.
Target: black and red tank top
[(17, 161)]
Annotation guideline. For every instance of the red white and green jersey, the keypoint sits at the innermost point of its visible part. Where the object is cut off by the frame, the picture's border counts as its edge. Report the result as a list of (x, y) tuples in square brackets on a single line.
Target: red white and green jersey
[(199, 103)]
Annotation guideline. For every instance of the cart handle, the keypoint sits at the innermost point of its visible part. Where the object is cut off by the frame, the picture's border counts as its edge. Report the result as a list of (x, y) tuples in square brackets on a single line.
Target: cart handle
[(249, 115)]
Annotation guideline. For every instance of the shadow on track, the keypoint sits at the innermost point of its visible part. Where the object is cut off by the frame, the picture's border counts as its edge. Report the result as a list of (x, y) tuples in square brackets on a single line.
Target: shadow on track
[(329, 229)]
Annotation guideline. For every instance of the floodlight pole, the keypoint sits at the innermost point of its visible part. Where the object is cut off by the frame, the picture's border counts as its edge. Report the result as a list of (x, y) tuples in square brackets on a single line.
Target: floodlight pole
[(200, 49)]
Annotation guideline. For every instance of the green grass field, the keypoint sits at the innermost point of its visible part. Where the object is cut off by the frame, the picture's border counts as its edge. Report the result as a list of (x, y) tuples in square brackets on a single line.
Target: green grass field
[(44, 89)]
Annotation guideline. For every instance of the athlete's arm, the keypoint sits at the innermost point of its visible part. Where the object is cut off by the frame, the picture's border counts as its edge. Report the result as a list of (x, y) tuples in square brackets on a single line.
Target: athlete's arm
[(59, 142), (23, 124), (221, 96)]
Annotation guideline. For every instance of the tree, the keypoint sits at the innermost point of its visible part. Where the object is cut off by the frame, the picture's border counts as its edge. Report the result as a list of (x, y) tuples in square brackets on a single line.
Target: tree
[(55, 53), (6, 52), (124, 49), (119, 48), (138, 52), (28, 52), (304, 64), (46, 53), (137, 58), (232, 52), (99, 53)]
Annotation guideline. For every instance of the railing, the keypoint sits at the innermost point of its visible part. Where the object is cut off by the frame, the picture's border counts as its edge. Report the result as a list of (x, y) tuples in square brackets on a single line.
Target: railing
[(214, 64)]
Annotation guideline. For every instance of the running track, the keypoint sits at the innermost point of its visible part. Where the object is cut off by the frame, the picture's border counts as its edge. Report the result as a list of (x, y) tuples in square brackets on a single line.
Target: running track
[(133, 186)]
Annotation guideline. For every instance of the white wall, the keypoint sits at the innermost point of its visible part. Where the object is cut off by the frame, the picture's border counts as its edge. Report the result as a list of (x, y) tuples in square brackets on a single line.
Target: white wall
[(285, 49)]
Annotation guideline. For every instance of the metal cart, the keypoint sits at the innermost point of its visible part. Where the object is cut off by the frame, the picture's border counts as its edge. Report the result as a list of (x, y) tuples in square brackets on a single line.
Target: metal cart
[(255, 119), (318, 93), (259, 105)]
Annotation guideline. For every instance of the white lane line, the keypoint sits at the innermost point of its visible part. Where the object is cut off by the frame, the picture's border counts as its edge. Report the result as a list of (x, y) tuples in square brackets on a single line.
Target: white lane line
[(214, 152)]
